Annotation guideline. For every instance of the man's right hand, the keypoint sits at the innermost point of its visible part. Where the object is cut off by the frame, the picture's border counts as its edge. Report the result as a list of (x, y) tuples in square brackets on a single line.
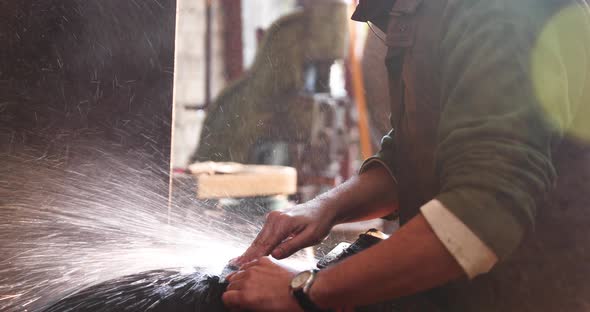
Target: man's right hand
[(363, 197), (287, 231)]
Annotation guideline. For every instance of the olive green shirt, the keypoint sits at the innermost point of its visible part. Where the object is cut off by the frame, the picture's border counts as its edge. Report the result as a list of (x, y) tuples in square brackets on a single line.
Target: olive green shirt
[(513, 78)]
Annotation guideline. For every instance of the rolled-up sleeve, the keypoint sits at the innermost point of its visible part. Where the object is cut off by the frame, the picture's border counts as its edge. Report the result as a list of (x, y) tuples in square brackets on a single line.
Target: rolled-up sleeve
[(385, 156), (494, 146)]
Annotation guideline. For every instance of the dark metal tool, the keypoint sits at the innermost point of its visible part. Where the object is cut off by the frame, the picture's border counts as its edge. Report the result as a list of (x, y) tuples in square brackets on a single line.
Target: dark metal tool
[(170, 290), (345, 250)]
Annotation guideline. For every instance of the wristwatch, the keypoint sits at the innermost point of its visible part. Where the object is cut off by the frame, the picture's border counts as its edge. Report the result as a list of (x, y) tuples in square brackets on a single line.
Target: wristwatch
[(300, 286)]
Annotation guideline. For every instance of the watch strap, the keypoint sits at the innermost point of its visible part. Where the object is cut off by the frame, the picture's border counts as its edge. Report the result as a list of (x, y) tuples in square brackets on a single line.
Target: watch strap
[(304, 301)]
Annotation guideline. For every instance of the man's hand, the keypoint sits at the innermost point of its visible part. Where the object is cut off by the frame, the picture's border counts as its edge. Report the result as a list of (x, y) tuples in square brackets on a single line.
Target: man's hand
[(261, 285), (286, 232), (367, 196)]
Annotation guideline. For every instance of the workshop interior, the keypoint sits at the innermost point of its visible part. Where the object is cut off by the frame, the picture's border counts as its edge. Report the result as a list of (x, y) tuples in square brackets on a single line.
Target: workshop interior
[(143, 142)]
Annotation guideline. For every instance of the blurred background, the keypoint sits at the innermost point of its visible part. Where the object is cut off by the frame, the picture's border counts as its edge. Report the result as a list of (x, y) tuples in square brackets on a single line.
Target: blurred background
[(276, 83), (236, 28)]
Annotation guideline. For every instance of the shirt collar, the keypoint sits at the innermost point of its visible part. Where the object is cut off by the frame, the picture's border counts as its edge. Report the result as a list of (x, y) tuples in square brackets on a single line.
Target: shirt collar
[(374, 11)]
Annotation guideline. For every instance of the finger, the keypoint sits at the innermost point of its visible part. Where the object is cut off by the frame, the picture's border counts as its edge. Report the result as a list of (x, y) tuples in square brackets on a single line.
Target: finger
[(296, 243), (267, 240), (250, 264), (233, 299), (236, 285), (235, 276), (259, 246), (234, 262), (230, 276)]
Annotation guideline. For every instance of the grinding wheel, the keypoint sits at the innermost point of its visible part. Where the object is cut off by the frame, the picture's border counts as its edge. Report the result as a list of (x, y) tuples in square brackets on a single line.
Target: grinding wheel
[(175, 291), (155, 291)]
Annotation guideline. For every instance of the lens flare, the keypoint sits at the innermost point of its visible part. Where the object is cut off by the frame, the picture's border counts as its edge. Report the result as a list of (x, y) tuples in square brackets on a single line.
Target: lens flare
[(559, 68)]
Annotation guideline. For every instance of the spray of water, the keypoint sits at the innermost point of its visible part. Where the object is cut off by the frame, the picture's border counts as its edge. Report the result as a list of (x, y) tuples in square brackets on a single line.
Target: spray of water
[(70, 222)]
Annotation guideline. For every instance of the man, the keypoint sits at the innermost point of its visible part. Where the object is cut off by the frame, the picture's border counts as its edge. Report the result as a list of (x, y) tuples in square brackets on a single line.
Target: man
[(488, 102)]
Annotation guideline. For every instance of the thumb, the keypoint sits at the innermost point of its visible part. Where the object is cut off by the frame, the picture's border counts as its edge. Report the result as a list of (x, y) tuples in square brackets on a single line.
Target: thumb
[(294, 244)]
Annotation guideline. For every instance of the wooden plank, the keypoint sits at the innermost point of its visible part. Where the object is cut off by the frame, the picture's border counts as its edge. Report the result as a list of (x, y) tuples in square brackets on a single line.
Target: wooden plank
[(233, 180)]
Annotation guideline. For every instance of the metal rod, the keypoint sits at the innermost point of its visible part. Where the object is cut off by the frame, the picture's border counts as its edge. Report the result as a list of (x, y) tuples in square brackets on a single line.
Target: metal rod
[(208, 24), (233, 46)]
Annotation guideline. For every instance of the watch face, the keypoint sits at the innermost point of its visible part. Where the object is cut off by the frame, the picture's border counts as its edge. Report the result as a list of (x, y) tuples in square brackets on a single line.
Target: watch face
[(300, 279)]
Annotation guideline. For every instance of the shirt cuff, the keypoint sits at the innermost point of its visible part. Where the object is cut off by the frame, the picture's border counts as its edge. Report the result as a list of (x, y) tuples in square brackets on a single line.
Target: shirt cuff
[(472, 254)]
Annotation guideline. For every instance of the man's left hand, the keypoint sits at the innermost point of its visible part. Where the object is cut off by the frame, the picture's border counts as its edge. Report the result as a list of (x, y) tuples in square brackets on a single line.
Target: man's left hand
[(261, 285)]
